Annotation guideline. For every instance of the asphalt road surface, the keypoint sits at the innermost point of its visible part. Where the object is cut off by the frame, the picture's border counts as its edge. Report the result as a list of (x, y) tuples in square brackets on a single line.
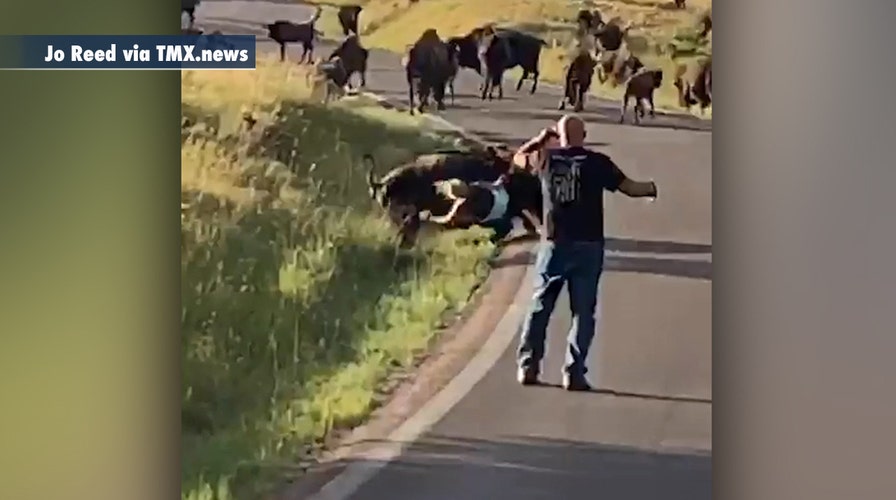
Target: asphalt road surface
[(648, 435)]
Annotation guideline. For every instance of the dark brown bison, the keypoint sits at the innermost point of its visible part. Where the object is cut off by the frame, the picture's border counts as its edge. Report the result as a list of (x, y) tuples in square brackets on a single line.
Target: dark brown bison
[(427, 70), (348, 18), (284, 32), (521, 49), (354, 58), (526, 52), (589, 21), (495, 56), (409, 188), (681, 4), (577, 82), (611, 35), (641, 87), (694, 86)]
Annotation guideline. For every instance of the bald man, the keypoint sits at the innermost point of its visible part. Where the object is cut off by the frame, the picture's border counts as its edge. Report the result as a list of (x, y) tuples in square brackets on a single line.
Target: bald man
[(571, 251)]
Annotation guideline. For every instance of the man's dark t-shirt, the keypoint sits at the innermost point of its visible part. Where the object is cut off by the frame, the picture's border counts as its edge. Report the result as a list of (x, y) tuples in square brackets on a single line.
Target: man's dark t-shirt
[(573, 181)]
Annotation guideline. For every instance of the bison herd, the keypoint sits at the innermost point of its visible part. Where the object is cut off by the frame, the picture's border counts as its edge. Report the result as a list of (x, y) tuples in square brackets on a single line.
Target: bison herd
[(432, 63)]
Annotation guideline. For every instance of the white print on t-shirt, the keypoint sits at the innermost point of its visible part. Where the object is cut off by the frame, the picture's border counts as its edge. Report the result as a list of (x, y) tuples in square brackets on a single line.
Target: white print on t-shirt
[(565, 175)]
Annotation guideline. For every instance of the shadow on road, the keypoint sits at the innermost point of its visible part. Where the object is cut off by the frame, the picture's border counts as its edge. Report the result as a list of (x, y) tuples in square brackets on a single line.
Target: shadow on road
[(447, 467), (655, 246), (605, 115), (636, 395), (681, 268)]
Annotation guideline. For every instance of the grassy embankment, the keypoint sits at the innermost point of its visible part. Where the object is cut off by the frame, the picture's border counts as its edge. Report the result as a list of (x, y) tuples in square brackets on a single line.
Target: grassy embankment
[(296, 305), (657, 28)]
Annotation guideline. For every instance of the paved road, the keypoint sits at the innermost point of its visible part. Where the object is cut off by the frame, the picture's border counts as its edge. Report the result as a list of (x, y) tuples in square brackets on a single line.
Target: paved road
[(651, 440)]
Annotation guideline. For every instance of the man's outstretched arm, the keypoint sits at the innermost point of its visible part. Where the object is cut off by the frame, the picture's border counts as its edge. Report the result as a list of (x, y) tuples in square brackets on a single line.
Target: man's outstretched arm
[(637, 189), (618, 181)]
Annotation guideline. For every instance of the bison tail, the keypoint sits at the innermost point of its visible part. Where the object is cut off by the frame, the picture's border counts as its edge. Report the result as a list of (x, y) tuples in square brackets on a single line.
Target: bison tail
[(317, 12)]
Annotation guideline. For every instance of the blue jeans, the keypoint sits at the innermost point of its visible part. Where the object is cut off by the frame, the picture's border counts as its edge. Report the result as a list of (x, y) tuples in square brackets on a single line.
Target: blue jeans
[(577, 265)]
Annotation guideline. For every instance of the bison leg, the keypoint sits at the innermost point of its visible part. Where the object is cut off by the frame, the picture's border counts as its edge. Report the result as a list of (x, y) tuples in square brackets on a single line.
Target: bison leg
[(492, 83), (424, 97), (580, 99), (501, 88), (411, 95), (308, 50), (638, 112), (408, 232), (652, 107), (282, 51), (438, 93), (519, 84), (534, 81), (625, 99)]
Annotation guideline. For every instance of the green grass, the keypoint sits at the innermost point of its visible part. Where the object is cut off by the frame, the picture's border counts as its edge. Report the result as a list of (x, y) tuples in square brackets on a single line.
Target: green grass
[(296, 303), (661, 36)]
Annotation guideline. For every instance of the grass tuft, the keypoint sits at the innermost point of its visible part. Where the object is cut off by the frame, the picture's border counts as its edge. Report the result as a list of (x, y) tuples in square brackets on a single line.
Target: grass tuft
[(296, 304)]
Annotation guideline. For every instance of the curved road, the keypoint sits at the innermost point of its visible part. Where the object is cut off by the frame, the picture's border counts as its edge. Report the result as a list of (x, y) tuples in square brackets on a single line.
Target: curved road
[(648, 434)]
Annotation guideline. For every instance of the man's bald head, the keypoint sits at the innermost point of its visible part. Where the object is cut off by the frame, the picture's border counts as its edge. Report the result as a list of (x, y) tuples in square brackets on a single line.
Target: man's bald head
[(572, 130)]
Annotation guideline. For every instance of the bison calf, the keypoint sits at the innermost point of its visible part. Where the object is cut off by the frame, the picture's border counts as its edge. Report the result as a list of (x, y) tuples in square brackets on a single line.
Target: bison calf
[(284, 32), (578, 81), (641, 87)]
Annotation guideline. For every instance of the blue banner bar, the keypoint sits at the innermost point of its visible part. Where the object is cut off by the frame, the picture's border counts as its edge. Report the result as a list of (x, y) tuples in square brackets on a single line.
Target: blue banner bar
[(99, 52)]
